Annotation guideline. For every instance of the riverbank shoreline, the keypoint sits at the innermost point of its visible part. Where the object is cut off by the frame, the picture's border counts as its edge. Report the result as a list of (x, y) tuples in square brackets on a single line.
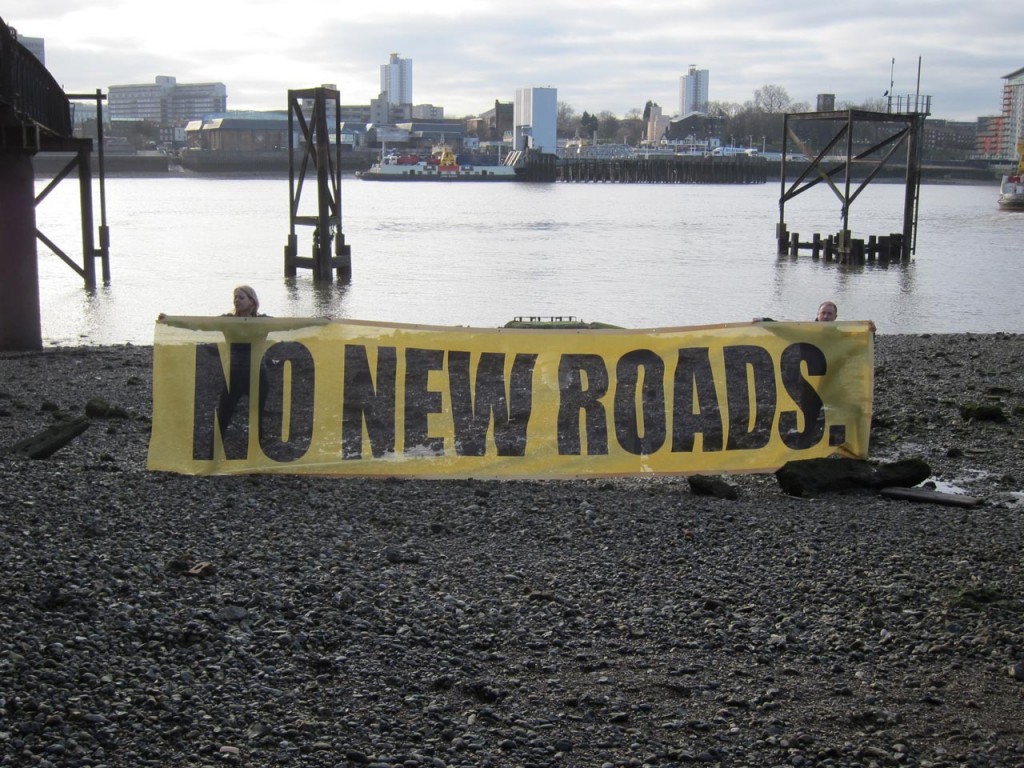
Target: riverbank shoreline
[(153, 618), (274, 165)]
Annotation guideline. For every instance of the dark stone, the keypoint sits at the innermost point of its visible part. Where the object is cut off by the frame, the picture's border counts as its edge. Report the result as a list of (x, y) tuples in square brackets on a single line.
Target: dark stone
[(905, 473), (705, 485), (398, 556), (982, 412), (808, 477), (97, 408)]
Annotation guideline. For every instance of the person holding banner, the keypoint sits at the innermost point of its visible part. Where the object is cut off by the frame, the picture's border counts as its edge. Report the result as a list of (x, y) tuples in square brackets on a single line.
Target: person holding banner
[(246, 303), (827, 312), (237, 387)]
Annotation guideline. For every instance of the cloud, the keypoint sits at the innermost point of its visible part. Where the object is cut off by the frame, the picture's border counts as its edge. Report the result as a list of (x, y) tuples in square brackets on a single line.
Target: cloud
[(601, 55)]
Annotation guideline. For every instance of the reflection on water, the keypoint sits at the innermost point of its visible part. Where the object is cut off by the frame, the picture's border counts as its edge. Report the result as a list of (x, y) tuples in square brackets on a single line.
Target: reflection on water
[(308, 299), (632, 255)]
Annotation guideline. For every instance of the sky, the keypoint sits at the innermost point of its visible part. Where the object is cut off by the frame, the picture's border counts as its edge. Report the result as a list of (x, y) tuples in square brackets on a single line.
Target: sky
[(600, 55)]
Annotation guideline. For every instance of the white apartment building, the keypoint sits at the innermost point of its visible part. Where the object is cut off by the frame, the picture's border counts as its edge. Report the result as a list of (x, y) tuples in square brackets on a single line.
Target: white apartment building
[(396, 80), (535, 119), (693, 92)]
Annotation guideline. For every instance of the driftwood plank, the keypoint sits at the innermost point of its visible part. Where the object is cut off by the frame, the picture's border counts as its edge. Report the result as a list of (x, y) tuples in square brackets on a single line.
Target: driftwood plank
[(51, 439), (933, 497)]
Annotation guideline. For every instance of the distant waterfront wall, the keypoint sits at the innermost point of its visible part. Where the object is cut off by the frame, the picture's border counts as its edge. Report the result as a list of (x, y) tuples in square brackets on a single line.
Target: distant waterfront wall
[(113, 164), (268, 162), (895, 173), (256, 161)]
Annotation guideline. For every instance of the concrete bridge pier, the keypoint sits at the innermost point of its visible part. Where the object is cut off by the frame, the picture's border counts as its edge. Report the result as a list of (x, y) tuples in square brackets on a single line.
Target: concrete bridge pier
[(20, 326)]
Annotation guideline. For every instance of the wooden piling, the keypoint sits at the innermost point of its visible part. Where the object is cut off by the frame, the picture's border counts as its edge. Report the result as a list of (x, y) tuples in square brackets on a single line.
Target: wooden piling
[(782, 239)]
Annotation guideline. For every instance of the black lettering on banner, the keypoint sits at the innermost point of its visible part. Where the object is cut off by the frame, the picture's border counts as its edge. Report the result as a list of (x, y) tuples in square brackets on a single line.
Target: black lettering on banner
[(695, 381), (739, 360), (365, 402), (652, 402), (575, 397), (420, 402), (216, 401), (509, 403), (298, 360), (804, 395)]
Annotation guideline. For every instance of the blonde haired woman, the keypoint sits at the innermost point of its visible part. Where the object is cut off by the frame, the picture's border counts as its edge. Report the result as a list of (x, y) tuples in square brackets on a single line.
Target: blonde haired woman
[(247, 303)]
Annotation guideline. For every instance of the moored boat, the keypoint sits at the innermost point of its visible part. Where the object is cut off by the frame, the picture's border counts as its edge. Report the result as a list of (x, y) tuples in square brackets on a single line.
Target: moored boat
[(443, 166), (1011, 189)]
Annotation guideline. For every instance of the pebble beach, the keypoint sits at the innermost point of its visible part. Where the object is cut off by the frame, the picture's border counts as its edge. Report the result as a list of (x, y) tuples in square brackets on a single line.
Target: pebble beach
[(154, 619)]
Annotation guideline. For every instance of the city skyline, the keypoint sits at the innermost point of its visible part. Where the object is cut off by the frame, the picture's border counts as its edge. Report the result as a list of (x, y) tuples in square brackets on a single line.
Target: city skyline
[(604, 55)]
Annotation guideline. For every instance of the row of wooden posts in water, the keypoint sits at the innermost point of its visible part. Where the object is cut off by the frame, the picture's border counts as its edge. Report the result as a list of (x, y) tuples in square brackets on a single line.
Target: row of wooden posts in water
[(840, 247), (666, 170), (843, 248)]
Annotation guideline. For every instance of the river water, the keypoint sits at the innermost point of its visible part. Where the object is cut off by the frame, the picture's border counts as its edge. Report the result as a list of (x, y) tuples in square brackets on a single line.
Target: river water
[(633, 255)]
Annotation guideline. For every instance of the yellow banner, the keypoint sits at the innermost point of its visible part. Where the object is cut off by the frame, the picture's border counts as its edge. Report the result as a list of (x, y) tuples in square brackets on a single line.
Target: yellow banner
[(369, 399)]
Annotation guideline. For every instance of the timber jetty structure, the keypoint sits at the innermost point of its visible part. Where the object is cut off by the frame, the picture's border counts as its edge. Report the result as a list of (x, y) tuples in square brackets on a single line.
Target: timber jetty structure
[(845, 150), (665, 169)]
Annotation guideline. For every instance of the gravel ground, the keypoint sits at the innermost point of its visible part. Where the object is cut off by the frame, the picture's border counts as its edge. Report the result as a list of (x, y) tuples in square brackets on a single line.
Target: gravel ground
[(150, 619)]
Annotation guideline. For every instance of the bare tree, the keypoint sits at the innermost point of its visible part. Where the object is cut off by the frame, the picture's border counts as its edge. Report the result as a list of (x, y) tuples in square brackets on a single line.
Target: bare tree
[(724, 108), (771, 99), (567, 120)]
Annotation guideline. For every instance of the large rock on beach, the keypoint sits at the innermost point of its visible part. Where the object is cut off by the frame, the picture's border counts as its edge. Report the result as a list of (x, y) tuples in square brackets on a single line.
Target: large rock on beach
[(809, 477)]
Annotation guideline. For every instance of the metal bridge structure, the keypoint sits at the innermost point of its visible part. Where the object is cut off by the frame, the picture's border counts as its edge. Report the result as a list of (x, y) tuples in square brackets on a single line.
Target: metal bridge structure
[(35, 116)]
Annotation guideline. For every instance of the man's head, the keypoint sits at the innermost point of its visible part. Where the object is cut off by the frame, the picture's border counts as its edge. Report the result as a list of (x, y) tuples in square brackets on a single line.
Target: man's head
[(827, 312)]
